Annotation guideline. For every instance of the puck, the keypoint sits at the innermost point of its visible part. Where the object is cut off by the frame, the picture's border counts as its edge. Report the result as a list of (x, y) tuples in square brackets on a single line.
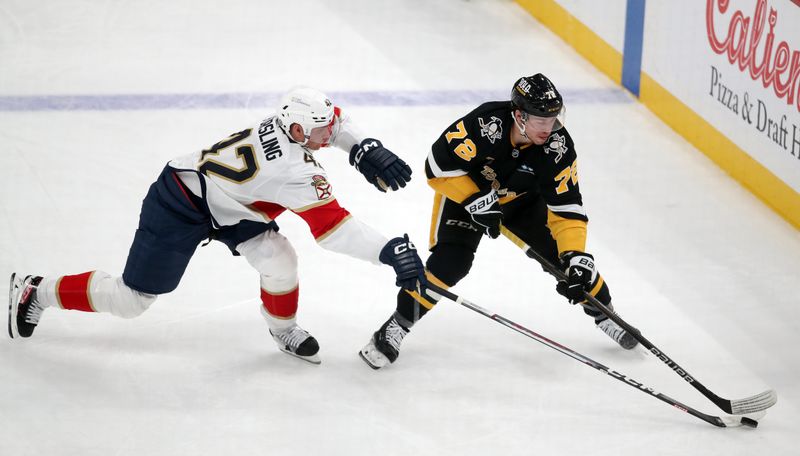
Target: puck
[(749, 422)]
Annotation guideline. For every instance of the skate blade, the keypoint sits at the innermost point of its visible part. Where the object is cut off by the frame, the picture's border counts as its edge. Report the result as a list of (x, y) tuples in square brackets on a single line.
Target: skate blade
[(12, 307), (373, 357), (313, 359), (374, 367)]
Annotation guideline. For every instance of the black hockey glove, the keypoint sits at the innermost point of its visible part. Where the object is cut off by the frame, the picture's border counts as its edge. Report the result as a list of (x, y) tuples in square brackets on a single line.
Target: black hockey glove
[(581, 273), (401, 254), (379, 165), (484, 208)]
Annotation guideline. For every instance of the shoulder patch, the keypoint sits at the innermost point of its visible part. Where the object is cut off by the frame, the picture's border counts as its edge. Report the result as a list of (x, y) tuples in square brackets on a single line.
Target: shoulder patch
[(557, 144), (492, 130), (322, 186)]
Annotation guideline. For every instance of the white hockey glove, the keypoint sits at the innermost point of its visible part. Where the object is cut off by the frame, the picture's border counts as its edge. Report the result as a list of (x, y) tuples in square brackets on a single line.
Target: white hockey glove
[(484, 208)]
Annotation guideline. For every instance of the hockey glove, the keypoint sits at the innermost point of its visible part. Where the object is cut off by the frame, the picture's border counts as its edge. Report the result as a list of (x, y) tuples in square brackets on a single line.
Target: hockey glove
[(401, 254), (581, 273), (379, 165), (484, 208)]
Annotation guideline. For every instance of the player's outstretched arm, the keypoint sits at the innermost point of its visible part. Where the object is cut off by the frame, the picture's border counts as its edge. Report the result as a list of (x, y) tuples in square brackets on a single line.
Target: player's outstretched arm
[(380, 166)]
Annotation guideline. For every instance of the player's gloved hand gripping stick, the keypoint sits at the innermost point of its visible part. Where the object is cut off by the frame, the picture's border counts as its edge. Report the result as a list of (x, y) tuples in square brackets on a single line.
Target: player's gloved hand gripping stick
[(752, 404), (720, 421)]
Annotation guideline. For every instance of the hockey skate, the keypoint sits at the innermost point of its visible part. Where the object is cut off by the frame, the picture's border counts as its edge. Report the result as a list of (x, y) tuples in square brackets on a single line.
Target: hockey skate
[(24, 311), (620, 336), (384, 346), (296, 341)]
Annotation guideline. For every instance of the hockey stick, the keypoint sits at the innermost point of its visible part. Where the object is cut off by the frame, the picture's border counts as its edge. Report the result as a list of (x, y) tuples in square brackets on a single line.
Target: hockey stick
[(721, 421), (756, 403)]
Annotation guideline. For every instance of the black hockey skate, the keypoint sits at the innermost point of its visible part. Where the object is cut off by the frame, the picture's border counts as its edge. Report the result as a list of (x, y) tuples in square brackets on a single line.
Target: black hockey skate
[(620, 336), (384, 346), (296, 341), (24, 311)]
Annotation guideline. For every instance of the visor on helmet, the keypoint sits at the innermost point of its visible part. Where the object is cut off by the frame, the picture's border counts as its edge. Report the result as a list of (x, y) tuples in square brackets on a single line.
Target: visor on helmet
[(537, 128), (534, 123), (320, 135)]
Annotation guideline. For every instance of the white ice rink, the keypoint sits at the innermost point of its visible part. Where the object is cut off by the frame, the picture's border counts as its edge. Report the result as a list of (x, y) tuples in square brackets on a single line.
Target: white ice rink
[(96, 96)]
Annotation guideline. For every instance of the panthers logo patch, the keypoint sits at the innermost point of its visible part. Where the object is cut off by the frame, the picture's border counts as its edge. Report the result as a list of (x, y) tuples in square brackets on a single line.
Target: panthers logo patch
[(556, 143), (322, 186)]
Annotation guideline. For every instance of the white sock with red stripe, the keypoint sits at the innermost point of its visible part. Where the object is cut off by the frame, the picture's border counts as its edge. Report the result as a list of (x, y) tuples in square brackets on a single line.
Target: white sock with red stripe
[(93, 291), (279, 308)]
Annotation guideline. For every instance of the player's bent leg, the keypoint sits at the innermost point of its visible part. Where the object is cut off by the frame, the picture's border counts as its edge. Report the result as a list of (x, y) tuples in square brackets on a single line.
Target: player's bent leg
[(447, 265), (112, 295), (93, 291), (274, 257)]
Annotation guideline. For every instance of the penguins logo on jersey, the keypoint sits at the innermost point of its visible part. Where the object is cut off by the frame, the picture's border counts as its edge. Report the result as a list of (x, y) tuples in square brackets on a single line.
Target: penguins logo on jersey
[(322, 186), (556, 143), (493, 130)]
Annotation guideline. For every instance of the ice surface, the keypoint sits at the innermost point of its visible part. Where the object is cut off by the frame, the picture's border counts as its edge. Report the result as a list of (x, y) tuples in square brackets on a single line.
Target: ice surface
[(95, 97)]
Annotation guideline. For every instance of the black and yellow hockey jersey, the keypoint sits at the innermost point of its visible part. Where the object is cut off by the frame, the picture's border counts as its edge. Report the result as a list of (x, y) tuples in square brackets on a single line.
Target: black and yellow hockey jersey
[(476, 153)]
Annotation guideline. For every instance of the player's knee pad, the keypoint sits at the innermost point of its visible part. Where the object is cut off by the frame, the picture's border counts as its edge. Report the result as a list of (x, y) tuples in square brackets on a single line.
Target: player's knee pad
[(136, 303), (271, 254), (450, 262), (115, 297)]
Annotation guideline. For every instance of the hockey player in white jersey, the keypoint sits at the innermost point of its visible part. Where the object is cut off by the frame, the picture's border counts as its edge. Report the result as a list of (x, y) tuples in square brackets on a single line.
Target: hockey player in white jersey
[(232, 192)]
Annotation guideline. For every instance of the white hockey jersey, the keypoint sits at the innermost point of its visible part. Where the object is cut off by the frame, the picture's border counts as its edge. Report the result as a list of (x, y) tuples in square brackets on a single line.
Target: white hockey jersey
[(258, 173)]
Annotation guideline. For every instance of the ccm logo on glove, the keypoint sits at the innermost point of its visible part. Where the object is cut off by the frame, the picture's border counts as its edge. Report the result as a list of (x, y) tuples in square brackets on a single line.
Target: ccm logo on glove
[(402, 248)]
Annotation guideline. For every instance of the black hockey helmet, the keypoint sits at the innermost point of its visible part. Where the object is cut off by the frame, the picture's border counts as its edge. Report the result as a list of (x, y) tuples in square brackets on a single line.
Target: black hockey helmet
[(536, 95)]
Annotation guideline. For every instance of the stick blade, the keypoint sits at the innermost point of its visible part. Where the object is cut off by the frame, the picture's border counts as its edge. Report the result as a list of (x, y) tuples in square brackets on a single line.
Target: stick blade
[(755, 403), (750, 421)]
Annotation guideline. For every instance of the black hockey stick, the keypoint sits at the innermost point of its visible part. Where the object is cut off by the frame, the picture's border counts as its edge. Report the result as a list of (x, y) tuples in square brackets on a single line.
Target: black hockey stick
[(721, 421), (756, 403)]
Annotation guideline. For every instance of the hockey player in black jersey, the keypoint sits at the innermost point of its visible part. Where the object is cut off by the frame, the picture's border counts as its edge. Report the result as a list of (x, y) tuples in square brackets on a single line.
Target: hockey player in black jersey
[(510, 163)]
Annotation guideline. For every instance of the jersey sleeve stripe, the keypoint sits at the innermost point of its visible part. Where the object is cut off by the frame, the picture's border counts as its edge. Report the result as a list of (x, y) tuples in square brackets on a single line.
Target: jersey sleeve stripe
[(269, 210), (437, 170), (333, 229), (324, 219), (570, 208)]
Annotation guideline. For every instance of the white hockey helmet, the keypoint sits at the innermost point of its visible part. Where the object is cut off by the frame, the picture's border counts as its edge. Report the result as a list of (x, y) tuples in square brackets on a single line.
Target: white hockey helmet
[(307, 107)]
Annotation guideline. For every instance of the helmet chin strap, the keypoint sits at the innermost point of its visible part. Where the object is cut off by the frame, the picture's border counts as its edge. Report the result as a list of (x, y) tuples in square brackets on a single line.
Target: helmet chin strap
[(521, 126)]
